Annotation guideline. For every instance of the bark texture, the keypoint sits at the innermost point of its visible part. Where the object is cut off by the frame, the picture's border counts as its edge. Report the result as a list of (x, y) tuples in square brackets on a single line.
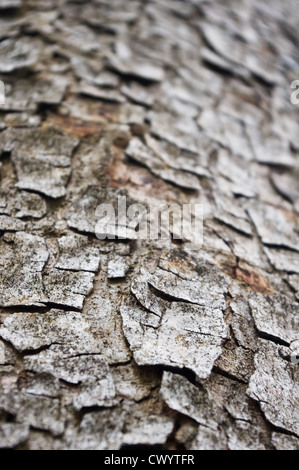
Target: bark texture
[(111, 344)]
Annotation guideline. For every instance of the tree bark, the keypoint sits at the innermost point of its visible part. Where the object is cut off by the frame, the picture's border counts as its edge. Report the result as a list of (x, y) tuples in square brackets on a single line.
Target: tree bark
[(121, 341)]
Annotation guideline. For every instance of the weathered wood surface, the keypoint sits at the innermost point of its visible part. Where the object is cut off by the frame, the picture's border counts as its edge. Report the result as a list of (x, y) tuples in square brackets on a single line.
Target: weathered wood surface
[(114, 344)]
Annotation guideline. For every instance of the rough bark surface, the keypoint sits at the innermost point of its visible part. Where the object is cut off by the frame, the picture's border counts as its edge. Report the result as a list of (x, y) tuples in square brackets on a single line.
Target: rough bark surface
[(113, 344)]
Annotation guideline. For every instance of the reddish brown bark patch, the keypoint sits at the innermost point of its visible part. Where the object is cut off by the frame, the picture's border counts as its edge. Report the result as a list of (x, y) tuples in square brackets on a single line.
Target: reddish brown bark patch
[(74, 127), (252, 278)]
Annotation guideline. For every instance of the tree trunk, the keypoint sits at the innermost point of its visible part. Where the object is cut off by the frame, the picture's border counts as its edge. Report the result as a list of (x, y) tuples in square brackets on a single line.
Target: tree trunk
[(135, 331)]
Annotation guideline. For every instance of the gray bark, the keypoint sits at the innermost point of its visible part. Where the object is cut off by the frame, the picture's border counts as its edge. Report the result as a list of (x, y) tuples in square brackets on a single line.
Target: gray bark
[(106, 344)]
